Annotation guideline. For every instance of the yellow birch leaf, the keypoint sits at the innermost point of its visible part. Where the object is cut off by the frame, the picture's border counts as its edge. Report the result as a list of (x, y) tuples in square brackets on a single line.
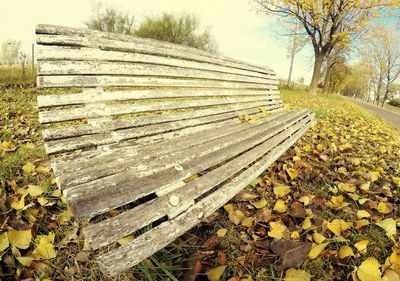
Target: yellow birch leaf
[(260, 204), (280, 206), (307, 147), (369, 270), (345, 251), (20, 238), (236, 216), (35, 190), (396, 180), (248, 222), (125, 240), (25, 261), (45, 247), (361, 246), (278, 230), (28, 168), (221, 232), (42, 201), (373, 176), (294, 235), (390, 275), (297, 275), (316, 250), (281, 190), (361, 223), (4, 241), (362, 214), (338, 226), (215, 274), (383, 208), (228, 208), (345, 187), (318, 238), (306, 223), (19, 205), (64, 217), (365, 186), (293, 173), (389, 225)]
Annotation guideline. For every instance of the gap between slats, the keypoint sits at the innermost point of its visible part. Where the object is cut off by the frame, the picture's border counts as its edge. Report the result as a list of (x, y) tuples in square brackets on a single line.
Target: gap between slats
[(128, 255)]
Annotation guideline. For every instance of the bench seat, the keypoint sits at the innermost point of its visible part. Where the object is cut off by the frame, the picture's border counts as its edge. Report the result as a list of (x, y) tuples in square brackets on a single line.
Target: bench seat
[(151, 161)]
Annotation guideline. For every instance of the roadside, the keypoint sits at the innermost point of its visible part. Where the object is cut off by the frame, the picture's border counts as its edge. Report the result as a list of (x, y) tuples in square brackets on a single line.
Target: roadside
[(389, 116)]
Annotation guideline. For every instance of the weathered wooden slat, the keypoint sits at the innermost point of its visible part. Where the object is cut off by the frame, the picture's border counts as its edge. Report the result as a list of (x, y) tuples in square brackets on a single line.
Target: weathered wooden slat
[(101, 109), (130, 254), (103, 135), (97, 95), (112, 229), (53, 52), (63, 81), (102, 126), (136, 69), (102, 165), (88, 200), (55, 35)]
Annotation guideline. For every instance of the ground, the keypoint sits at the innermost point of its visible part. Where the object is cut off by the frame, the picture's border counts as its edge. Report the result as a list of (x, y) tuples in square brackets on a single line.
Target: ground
[(333, 197)]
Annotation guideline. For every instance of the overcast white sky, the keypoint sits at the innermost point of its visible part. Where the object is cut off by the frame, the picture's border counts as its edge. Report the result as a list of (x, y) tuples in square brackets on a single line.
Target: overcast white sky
[(239, 31)]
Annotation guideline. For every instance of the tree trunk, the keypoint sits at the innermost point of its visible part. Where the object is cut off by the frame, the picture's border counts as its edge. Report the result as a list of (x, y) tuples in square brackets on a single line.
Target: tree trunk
[(327, 80), (316, 73), (291, 68), (378, 91)]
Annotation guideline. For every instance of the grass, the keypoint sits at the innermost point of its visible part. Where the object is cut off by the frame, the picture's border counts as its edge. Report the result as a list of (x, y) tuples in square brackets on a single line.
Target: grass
[(14, 75), (354, 132), (392, 108)]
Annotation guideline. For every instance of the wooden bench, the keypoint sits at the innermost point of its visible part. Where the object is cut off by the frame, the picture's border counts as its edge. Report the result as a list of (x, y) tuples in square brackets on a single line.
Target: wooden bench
[(152, 160)]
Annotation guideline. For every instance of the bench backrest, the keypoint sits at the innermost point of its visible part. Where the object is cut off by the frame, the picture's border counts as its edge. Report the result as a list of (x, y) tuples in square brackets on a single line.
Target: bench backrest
[(140, 90)]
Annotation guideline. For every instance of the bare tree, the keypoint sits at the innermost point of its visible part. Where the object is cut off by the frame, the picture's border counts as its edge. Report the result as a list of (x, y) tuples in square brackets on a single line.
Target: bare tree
[(381, 51)]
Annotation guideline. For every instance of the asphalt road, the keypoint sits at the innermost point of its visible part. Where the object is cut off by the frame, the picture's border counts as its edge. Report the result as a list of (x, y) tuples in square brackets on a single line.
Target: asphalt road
[(390, 116)]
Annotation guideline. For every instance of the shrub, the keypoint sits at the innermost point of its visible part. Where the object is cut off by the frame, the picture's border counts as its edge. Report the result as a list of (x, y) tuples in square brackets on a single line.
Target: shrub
[(395, 102)]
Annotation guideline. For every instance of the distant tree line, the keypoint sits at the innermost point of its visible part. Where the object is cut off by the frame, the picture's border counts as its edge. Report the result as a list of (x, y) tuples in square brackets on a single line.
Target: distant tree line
[(181, 29)]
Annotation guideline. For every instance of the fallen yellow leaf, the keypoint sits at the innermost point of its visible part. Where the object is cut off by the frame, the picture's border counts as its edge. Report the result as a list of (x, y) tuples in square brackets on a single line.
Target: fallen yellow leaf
[(20, 238), (345, 251), (281, 190), (297, 275), (316, 250), (35, 190), (280, 206), (215, 274), (248, 222), (4, 241), (221, 232), (389, 225), (125, 240), (293, 173), (318, 238), (45, 247), (369, 270), (384, 208), (278, 230), (20, 204), (338, 226), (25, 261), (28, 168), (362, 214), (361, 246), (260, 204), (345, 187)]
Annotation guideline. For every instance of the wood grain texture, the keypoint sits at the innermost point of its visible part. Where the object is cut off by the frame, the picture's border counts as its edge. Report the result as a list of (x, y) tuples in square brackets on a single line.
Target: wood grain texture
[(110, 230), (56, 53), (67, 67), (102, 165), (97, 95), (150, 242), (88, 200)]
